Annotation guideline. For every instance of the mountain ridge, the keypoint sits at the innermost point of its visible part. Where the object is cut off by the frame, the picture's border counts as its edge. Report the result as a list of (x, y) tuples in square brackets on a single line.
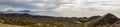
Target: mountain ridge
[(108, 19)]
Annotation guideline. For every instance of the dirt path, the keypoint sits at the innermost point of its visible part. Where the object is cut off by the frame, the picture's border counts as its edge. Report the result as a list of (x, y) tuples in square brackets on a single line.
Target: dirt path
[(11, 26), (7, 25)]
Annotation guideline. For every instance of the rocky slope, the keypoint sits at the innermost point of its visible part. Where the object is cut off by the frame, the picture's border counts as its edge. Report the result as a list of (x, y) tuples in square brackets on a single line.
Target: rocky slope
[(108, 19)]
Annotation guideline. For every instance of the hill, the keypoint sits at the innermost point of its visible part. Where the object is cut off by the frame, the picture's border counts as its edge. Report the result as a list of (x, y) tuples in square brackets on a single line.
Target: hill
[(108, 20), (28, 20)]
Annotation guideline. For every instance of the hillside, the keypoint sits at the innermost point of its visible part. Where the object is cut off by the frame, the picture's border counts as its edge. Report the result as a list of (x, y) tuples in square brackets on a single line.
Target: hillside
[(18, 19), (108, 20)]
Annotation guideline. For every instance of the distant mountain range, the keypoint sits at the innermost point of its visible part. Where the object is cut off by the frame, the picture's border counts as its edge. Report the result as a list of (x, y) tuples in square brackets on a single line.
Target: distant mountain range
[(18, 12)]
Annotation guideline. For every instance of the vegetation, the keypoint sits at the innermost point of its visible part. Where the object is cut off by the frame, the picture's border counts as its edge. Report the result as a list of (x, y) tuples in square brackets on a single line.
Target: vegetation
[(18, 22), (49, 21)]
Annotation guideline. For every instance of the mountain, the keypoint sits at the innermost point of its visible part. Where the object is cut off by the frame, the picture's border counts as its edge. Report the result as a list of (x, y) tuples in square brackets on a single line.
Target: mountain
[(2, 13), (107, 19), (18, 12), (25, 11), (10, 11)]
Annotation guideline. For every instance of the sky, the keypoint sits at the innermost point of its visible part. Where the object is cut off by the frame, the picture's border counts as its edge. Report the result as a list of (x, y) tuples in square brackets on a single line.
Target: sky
[(65, 8)]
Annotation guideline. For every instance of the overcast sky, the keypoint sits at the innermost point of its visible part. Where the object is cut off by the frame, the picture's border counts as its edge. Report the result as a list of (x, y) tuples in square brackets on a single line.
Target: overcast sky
[(77, 8)]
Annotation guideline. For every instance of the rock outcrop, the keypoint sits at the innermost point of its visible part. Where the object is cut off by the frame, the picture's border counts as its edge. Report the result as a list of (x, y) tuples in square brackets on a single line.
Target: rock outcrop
[(107, 19)]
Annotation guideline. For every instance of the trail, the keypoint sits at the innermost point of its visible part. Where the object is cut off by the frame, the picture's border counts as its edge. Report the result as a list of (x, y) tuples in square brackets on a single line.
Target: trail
[(11, 26), (7, 25)]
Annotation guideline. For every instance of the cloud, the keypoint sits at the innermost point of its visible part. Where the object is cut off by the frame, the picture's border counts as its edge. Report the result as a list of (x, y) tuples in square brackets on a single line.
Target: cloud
[(63, 7), (89, 8), (17, 4), (29, 4), (39, 7)]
